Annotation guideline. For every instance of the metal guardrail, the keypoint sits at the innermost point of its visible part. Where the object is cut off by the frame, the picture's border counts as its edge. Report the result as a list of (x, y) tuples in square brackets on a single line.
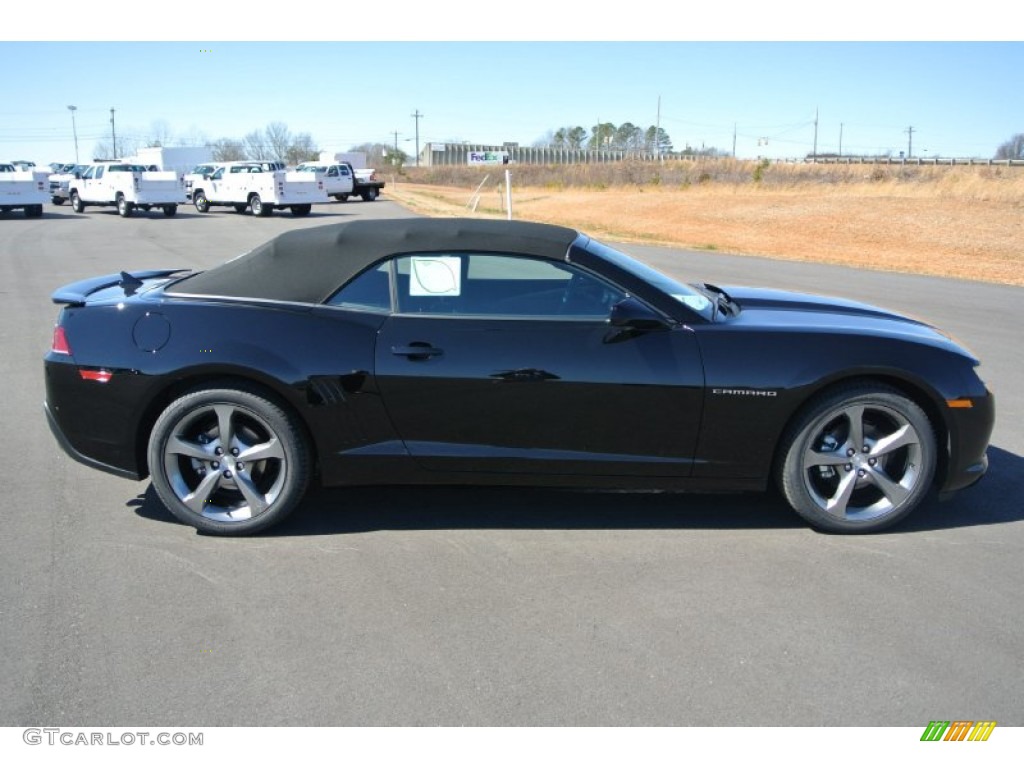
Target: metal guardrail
[(907, 161)]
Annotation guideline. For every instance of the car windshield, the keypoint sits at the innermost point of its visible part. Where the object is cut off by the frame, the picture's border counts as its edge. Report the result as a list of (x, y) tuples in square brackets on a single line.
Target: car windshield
[(681, 292)]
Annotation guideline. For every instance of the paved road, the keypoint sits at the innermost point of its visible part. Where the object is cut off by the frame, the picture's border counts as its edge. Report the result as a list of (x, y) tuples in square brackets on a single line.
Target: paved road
[(491, 607)]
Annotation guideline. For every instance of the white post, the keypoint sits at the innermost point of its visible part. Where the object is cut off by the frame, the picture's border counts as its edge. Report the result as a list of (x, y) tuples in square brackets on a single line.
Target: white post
[(508, 193)]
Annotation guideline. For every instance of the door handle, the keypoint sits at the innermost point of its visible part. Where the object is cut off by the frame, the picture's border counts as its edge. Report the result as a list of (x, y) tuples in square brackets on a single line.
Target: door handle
[(417, 350)]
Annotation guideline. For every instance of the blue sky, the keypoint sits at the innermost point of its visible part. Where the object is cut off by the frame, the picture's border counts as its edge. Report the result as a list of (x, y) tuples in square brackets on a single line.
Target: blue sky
[(960, 98)]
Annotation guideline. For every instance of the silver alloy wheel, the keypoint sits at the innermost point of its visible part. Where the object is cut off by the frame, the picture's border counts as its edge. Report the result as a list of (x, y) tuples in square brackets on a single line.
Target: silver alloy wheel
[(863, 462), (225, 462)]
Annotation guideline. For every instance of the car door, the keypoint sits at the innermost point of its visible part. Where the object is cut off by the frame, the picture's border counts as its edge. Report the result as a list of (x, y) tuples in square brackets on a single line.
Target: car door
[(506, 364)]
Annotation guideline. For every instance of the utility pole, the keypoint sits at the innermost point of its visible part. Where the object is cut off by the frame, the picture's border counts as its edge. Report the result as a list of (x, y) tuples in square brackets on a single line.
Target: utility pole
[(840, 139), (734, 141), (815, 155), (417, 115), (74, 129), (910, 141), (113, 134)]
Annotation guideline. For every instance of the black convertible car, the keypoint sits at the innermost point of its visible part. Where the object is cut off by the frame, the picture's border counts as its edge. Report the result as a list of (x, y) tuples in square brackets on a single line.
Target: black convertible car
[(471, 351)]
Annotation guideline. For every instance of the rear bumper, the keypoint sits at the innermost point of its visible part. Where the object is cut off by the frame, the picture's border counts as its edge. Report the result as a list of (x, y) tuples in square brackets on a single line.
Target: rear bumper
[(77, 455)]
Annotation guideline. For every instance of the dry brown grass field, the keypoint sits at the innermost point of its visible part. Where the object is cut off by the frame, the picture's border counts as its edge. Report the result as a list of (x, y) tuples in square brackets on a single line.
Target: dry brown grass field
[(964, 221)]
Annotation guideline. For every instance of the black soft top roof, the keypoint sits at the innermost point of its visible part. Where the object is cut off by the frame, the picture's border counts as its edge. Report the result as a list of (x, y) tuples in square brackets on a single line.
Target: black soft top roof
[(308, 265)]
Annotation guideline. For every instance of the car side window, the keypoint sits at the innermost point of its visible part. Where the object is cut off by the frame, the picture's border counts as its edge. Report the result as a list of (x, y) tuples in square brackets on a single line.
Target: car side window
[(485, 284), (369, 291)]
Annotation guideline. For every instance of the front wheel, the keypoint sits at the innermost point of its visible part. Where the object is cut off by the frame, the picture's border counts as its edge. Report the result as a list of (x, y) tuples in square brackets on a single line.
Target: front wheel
[(76, 203), (199, 200), (228, 460), (858, 459), (57, 200)]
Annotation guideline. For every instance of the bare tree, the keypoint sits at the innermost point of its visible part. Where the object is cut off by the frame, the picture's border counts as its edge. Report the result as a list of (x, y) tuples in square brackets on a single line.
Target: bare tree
[(159, 134), (227, 150), (256, 146), (1012, 149), (278, 139), (303, 148)]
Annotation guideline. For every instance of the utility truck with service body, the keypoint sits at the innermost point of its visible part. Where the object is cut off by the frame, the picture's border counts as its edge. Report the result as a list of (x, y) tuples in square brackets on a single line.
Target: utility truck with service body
[(253, 185), (128, 186), (26, 190)]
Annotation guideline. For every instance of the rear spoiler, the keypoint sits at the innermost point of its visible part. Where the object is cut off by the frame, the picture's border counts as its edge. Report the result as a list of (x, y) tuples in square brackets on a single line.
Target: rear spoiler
[(76, 293)]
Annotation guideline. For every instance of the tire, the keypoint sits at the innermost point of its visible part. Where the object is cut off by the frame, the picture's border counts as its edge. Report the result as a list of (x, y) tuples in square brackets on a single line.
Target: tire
[(301, 210), (57, 200), (145, 208), (341, 198), (199, 200), (33, 211), (170, 210), (858, 459), (124, 208), (76, 203), (259, 208), (256, 488), (369, 194), (241, 207)]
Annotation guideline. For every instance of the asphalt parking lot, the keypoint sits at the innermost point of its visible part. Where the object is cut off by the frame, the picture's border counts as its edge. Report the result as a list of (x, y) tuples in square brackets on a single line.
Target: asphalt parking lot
[(386, 606)]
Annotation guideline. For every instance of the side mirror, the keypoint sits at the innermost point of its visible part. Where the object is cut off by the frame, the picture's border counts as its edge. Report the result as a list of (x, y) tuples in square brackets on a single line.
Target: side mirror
[(632, 314), (78, 174)]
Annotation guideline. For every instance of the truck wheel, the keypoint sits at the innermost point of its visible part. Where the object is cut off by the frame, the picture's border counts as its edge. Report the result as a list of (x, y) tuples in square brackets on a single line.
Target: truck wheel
[(341, 198), (33, 211), (301, 210), (145, 207), (199, 198), (76, 203), (370, 195), (259, 208), (124, 208), (240, 207), (57, 200), (170, 210)]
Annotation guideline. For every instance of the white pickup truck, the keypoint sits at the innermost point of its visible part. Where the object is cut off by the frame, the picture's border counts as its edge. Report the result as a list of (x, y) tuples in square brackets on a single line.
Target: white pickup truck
[(60, 181), (128, 186), (251, 185), (344, 180), (22, 189)]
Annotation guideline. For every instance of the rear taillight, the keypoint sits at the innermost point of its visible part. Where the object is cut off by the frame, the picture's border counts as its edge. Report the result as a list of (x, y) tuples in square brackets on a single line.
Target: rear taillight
[(60, 342)]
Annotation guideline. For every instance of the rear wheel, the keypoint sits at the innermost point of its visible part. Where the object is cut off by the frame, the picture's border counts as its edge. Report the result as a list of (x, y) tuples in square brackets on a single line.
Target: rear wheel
[(259, 208), (341, 198), (124, 208), (170, 210), (33, 211), (301, 210), (228, 460), (76, 203), (370, 194), (858, 459), (200, 201)]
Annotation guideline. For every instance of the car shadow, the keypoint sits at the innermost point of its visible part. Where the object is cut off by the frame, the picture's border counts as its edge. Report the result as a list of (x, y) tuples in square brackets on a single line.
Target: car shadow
[(328, 511)]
